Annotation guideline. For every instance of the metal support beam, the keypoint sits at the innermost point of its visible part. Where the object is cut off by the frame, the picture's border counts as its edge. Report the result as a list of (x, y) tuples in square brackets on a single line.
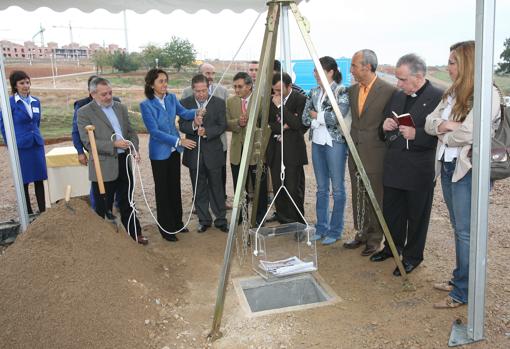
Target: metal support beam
[(12, 147), (482, 111), (301, 22), (259, 105)]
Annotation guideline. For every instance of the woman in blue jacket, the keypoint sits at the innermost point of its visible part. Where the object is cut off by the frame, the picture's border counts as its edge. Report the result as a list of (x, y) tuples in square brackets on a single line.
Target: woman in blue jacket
[(26, 117), (165, 148)]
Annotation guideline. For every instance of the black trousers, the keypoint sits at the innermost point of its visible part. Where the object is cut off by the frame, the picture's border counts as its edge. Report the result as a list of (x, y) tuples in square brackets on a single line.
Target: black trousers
[(167, 187), (295, 184), (121, 187), (252, 172), (407, 214), (39, 195), (209, 193)]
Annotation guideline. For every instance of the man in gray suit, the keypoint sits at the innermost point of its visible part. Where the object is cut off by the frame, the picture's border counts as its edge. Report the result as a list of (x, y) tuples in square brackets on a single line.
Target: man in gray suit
[(367, 98), (209, 190), (113, 134), (221, 92)]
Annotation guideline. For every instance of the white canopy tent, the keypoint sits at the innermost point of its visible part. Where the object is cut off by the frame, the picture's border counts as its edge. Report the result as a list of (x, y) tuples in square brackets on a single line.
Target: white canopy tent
[(485, 21), (164, 6)]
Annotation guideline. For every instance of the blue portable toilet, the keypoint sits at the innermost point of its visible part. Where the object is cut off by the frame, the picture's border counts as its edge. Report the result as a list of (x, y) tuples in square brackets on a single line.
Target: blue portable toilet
[(302, 72)]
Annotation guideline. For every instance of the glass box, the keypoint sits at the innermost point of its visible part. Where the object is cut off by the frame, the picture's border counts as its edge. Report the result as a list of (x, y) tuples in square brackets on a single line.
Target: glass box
[(283, 250)]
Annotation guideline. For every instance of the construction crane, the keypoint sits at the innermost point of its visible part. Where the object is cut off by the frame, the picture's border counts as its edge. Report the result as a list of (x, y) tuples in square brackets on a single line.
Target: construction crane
[(41, 33), (70, 27)]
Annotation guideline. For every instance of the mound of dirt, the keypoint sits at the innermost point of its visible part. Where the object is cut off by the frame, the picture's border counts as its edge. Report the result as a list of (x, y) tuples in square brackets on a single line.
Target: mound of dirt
[(73, 281)]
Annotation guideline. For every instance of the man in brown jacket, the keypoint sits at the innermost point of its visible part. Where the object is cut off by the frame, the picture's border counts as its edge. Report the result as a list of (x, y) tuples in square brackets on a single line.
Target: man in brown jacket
[(237, 120), (367, 98)]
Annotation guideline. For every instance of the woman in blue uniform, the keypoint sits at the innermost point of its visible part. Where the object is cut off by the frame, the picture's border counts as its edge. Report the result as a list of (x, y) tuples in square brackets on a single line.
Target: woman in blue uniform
[(26, 116)]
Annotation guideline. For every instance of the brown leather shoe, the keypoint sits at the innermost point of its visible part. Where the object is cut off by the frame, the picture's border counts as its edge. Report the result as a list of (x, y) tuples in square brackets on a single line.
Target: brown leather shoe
[(142, 240), (443, 286), (369, 250), (353, 244)]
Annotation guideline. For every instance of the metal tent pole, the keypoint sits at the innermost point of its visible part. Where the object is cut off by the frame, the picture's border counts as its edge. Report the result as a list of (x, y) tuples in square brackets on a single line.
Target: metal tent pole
[(126, 30), (285, 37), (482, 111), (12, 147), (263, 85)]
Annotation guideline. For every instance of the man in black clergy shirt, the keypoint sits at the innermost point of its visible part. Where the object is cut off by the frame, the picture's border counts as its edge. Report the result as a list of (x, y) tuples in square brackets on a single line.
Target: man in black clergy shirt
[(294, 148), (409, 163)]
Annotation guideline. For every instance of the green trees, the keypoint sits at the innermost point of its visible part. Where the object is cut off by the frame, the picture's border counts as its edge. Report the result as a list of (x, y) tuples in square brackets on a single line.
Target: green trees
[(181, 52), (125, 62), (504, 68), (102, 59), (177, 53), (152, 54)]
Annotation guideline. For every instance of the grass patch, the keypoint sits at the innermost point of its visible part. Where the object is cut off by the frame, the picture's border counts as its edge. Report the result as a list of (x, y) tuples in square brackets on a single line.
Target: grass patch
[(57, 105), (117, 81), (441, 75), (503, 82)]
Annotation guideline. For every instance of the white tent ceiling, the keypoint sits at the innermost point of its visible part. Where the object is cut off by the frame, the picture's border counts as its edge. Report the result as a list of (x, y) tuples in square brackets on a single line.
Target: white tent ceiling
[(164, 6)]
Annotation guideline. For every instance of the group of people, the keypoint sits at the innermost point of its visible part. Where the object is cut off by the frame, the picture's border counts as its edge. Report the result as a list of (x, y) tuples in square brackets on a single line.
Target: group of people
[(402, 161)]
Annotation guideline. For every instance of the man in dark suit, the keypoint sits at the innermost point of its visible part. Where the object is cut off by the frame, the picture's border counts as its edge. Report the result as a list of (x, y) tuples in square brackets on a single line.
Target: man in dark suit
[(409, 163), (209, 189), (294, 148), (367, 99), (110, 118)]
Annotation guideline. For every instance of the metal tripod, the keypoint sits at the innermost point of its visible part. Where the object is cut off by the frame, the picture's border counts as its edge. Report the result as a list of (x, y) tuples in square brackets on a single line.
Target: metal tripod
[(260, 106)]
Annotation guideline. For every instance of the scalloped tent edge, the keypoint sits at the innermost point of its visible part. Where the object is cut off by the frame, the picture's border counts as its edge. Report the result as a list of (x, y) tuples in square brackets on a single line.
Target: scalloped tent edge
[(141, 7)]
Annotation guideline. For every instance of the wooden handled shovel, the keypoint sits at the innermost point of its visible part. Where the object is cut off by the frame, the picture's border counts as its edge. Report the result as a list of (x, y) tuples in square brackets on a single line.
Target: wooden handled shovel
[(68, 197), (100, 183), (97, 166)]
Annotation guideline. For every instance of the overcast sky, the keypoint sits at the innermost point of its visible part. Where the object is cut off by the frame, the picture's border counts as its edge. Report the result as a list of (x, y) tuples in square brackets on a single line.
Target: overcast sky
[(338, 28)]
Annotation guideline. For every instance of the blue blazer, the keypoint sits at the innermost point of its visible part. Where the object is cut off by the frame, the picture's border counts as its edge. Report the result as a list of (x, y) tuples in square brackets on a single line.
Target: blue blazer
[(26, 128), (161, 125)]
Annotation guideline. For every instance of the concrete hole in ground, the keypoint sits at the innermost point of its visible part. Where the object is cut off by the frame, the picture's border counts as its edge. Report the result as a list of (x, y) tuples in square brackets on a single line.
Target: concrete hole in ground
[(258, 296)]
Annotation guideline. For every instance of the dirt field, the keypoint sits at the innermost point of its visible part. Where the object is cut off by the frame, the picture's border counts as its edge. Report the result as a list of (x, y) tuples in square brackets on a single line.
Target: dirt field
[(44, 69), (374, 311)]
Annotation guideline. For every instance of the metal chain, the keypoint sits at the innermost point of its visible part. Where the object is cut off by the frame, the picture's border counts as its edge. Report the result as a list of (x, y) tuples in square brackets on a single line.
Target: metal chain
[(242, 251), (360, 200)]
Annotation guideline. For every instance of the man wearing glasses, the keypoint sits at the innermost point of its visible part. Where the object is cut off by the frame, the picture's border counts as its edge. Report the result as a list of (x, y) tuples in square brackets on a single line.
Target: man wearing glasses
[(237, 120), (408, 179)]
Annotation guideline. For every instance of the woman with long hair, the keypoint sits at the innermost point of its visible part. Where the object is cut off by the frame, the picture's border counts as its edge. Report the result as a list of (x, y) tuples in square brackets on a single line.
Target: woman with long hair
[(452, 123), (165, 147), (26, 117), (329, 151)]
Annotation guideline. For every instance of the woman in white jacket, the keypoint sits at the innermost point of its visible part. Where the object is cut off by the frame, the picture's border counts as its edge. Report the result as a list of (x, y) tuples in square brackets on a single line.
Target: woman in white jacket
[(452, 123)]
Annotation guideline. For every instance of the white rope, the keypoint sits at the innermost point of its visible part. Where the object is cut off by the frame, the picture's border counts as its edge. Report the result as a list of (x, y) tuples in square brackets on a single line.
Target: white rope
[(134, 164), (282, 165), (131, 158), (233, 58)]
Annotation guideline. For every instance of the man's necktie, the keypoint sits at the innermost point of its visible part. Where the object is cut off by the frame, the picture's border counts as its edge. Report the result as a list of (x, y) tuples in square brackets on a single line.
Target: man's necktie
[(243, 105)]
